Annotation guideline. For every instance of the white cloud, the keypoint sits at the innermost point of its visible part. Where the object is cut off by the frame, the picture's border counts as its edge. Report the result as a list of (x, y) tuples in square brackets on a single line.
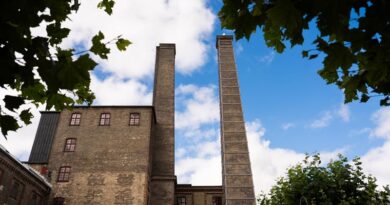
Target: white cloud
[(115, 91), (238, 48), (269, 58), (146, 23), (344, 112), (288, 125), (323, 121), (327, 117), (326, 156), (267, 163), (199, 170), (376, 161), (200, 106), (19, 143), (198, 159), (361, 131), (382, 119), (180, 152)]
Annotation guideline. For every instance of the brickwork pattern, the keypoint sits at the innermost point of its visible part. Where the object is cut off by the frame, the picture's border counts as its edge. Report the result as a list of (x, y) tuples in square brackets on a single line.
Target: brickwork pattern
[(198, 195), (111, 164), (163, 178), (31, 186), (236, 171)]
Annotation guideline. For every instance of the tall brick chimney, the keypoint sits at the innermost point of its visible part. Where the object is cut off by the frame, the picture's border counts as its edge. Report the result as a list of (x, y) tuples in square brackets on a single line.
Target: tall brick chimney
[(237, 179), (163, 173)]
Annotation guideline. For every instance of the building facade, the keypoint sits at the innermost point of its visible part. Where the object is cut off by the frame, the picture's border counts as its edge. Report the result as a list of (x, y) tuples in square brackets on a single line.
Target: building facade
[(19, 183), (125, 154)]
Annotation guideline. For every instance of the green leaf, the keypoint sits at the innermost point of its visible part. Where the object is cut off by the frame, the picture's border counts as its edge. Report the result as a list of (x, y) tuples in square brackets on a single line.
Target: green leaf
[(364, 98), (385, 101), (346, 40), (328, 75), (305, 54), (107, 5), (26, 116), (284, 14), (122, 44), (56, 33), (313, 56), (98, 47), (8, 123), (13, 102)]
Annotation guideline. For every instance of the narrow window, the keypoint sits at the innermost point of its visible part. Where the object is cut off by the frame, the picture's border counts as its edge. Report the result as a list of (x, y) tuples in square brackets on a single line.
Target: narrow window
[(58, 201), (35, 199), (75, 119), (217, 200), (105, 119), (1, 174), (63, 174), (181, 200), (70, 145), (134, 119), (15, 189)]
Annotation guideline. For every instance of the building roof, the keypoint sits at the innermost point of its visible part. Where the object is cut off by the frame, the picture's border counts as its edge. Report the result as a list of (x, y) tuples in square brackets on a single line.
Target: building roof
[(190, 188), (44, 138), (114, 106)]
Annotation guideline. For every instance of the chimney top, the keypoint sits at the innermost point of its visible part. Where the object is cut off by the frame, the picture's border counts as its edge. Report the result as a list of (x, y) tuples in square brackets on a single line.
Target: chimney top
[(168, 45), (223, 37)]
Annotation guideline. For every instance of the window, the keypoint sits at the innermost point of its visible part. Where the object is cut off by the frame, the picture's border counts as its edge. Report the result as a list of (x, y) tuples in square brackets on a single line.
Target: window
[(75, 119), (1, 174), (35, 199), (58, 201), (105, 119), (134, 119), (16, 189), (70, 145), (63, 174), (181, 200), (217, 200)]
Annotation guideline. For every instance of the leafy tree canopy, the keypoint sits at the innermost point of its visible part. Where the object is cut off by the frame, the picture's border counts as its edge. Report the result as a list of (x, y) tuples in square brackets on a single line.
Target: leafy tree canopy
[(339, 182), (36, 66), (354, 36)]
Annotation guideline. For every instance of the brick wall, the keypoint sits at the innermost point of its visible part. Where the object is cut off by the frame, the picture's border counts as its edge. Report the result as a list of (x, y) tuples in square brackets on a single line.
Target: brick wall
[(30, 186), (110, 164)]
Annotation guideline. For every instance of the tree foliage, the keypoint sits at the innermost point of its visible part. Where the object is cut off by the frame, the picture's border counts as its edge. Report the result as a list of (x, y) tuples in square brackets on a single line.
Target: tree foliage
[(36, 67), (354, 36), (339, 182)]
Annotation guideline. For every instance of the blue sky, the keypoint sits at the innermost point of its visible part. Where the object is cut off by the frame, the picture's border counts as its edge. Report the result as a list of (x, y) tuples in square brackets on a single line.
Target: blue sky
[(285, 88), (288, 108)]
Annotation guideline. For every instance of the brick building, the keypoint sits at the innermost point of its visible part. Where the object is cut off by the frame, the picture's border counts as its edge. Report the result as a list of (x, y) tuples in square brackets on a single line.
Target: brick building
[(19, 183), (125, 154)]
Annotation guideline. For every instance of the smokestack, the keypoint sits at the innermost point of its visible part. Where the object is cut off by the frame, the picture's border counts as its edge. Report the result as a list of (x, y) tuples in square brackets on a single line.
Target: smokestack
[(237, 179), (163, 173)]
